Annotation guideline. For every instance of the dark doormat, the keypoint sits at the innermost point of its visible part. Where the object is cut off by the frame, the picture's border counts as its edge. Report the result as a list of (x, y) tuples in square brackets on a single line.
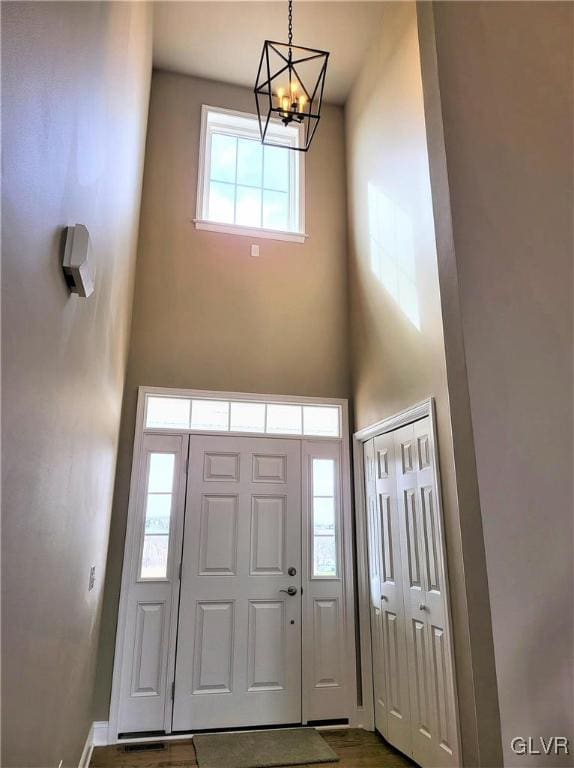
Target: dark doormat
[(262, 749)]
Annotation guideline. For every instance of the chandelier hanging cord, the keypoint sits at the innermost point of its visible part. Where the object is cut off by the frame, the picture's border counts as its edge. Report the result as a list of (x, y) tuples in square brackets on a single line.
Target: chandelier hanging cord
[(290, 26)]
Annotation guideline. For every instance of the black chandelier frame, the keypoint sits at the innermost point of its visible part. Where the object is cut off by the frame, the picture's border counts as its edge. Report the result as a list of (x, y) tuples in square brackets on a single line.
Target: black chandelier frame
[(296, 55)]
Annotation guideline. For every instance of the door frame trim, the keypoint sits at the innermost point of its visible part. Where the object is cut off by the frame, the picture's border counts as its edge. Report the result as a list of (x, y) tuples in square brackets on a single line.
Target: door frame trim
[(347, 558), (424, 408)]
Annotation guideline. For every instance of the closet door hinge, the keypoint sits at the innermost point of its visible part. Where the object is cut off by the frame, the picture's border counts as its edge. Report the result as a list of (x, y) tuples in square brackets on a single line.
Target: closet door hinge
[(173, 690), (180, 568)]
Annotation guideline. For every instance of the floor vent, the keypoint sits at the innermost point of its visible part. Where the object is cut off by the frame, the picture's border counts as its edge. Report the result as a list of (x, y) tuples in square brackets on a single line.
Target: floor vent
[(154, 746), (334, 721)]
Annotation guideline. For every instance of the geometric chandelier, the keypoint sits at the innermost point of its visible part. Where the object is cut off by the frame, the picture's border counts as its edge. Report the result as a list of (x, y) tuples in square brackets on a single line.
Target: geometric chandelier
[(289, 87)]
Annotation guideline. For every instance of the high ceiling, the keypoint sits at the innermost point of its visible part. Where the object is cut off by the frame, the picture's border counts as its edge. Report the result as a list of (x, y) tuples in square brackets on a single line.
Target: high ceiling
[(223, 40)]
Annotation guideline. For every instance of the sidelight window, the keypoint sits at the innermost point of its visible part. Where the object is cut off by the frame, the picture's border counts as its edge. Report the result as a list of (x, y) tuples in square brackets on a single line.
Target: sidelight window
[(324, 523), (157, 516)]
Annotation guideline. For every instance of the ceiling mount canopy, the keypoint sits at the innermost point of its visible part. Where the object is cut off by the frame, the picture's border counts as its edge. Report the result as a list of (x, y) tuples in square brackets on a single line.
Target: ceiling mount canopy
[(289, 87)]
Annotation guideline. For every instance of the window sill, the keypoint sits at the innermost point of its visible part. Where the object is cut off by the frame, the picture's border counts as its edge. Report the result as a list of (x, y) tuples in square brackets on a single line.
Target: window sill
[(253, 232)]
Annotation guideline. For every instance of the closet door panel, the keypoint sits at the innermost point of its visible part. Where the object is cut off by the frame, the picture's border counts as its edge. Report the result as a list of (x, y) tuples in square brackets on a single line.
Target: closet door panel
[(439, 666), (414, 585), (415, 702), (374, 552), (391, 595), (428, 644)]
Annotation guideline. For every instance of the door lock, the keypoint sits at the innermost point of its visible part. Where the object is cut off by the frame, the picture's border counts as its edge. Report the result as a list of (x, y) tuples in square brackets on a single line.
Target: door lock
[(422, 607), (290, 591), (292, 571)]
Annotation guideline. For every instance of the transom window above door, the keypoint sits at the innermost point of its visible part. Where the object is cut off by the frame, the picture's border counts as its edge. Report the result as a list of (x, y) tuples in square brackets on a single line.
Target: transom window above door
[(245, 187), (199, 414)]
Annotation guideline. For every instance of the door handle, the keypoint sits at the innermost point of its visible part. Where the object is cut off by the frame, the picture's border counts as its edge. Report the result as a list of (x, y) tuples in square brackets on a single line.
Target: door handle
[(422, 607), (290, 591)]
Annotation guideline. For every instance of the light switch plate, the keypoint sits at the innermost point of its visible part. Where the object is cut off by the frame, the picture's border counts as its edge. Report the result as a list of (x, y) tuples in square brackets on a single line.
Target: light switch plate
[(255, 250), (92, 578)]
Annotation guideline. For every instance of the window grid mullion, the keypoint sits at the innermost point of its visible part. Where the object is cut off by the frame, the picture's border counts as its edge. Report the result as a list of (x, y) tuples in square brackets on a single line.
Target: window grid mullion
[(221, 125), (235, 185), (190, 421), (262, 190)]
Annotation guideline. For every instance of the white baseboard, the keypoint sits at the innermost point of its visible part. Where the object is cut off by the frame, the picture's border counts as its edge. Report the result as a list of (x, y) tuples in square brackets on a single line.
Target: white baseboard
[(100, 733), (97, 737), (88, 749)]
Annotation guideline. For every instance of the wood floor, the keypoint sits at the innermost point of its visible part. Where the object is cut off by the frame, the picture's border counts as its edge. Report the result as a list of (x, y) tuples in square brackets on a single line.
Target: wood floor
[(355, 747)]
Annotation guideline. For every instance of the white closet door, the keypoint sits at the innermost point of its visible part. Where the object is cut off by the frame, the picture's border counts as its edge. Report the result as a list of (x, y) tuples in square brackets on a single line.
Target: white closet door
[(239, 638), (374, 551), (398, 730), (433, 714)]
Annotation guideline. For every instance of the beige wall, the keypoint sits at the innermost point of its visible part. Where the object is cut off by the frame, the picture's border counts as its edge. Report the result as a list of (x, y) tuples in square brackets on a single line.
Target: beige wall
[(75, 85), (397, 362), (209, 316), (506, 74)]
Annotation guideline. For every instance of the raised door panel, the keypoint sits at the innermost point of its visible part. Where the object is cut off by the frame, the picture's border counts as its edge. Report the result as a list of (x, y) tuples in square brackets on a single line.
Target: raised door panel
[(326, 643), (407, 454), (269, 468), (398, 703), (148, 650), (379, 670), (412, 549), (387, 524), (440, 689), (374, 548), (268, 524), (221, 467), (213, 648), (419, 673), (391, 637), (266, 645), (431, 543), (218, 535)]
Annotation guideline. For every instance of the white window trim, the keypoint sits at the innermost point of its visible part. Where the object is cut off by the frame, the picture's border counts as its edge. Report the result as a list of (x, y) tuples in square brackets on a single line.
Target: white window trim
[(297, 173), (242, 397), (314, 450)]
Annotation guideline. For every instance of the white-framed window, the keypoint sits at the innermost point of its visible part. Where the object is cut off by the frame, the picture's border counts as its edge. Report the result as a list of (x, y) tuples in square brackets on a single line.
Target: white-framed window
[(245, 187), (324, 559), (157, 523), (198, 414)]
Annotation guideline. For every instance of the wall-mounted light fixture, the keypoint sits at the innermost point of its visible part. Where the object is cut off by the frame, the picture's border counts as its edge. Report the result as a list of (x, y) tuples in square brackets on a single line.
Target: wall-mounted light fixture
[(77, 262)]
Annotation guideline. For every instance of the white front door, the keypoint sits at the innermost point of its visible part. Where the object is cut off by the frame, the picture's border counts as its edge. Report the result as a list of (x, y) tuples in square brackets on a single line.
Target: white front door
[(239, 638)]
